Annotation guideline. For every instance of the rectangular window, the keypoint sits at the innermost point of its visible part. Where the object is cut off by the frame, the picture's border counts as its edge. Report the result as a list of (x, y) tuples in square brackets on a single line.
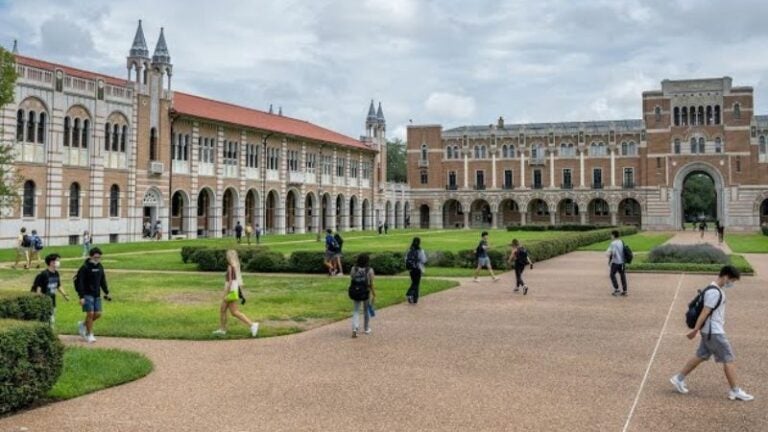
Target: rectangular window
[(452, 180), (340, 167), (597, 178), (252, 155), (311, 162), (508, 179), (366, 170), (537, 179), (353, 168), (74, 240), (480, 180), (567, 179), (327, 164), (629, 178), (114, 238), (273, 158), (293, 160), (424, 177), (658, 162), (738, 163)]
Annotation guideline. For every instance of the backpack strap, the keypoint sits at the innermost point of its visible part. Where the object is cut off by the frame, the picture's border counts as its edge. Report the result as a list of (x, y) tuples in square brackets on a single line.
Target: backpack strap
[(717, 305)]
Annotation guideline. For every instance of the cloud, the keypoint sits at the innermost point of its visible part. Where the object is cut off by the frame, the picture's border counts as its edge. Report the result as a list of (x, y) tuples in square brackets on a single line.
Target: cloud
[(450, 105)]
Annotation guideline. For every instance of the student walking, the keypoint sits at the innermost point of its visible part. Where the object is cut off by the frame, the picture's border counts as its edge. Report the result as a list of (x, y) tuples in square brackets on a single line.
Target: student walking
[(714, 342), (48, 282), (362, 293), (481, 255), (415, 260), (23, 245), (90, 281), (232, 294), (239, 232), (615, 254), (702, 228), (248, 233), (258, 234), (158, 230), (87, 243), (35, 249), (331, 249), (519, 259), (337, 257)]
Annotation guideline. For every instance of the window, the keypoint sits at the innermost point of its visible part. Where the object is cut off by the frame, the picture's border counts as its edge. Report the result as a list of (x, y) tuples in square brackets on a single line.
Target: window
[(153, 144), (537, 179), (738, 163), (67, 131), (718, 145), (366, 170), (311, 162), (477, 152), (293, 160), (423, 152), (123, 138), (684, 115), (452, 180), (340, 167), (567, 150), (657, 113), (737, 111), (449, 153), (326, 163), (597, 149), (107, 136), (207, 150), (676, 116), (700, 116), (76, 131), (571, 209), (41, 128), (20, 125), (86, 134), (28, 203), (354, 165), (456, 153), (629, 177), (230, 153), (676, 146), (115, 137), (717, 114), (658, 162), (424, 178), (480, 179), (74, 200), (114, 238), (114, 201), (710, 116), (74, 240), (701, 145), (508, 183), (597, 177), (567, 178), (763, 149), (694, 145), (31, 127), (601, 208), (252, 155)]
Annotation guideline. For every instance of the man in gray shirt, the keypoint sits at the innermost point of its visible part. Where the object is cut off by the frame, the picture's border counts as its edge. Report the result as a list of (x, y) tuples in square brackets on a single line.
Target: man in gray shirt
[(615, 254)]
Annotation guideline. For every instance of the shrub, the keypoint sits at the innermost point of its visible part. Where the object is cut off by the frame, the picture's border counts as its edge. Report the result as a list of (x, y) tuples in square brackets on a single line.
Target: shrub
[(466, 258), (31, 360), (188, 251), (264, 261), (694, 254), (765, 230), (565, 227), (26, 307), (388, 263), (307, 262), (210, 259), (442, 259)]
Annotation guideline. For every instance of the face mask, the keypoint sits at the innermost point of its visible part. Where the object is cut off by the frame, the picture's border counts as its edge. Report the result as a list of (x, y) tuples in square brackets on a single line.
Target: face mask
[(57, 264), (728, 285)]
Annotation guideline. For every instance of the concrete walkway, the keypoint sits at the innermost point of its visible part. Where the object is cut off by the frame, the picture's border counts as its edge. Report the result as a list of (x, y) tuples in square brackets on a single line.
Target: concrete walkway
[(568, 356)]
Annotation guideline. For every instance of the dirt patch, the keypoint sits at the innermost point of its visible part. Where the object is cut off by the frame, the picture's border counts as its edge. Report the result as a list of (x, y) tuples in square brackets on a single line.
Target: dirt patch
[(188, 298)]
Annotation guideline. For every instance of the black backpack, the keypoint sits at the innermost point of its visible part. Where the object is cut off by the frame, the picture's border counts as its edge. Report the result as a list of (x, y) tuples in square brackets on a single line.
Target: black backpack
[(627, 253), (412, 259), (26, 241), (359, 288), (521, 256), (697, 305), (37, 242), (339, 242)]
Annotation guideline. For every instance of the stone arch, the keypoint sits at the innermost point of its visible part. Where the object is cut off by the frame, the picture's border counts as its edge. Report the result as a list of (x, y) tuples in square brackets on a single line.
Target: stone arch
[(677, 188), (310, 211), (205, 212), (538, 211), (599, 212), (325, 211), (229, 207), (78, 110), (630, 212), (291, 210), (340, 206), (270, 211), (366, 210), (398, 214), (252, 208), (453, 215), (407, 215), (568, 211), (480, 214), (508, 213), (388, 213), (34, 103), (151, 206), (353, 212), (424, 216), (180, 210)]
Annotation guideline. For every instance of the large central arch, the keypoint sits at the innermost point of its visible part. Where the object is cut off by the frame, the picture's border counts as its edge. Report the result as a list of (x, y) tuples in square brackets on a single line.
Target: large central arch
[(682, 174)]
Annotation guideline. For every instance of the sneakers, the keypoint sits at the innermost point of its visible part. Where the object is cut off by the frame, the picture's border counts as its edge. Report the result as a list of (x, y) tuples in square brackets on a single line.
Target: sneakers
[(624, 294), (739, 394), (219, 332), (354, 333), (616, 293), (517, 289), (81, 330), (367, 331), (410, 299), (254, 329), (679, 384), (525, 289), (90, 338), (495, 279)]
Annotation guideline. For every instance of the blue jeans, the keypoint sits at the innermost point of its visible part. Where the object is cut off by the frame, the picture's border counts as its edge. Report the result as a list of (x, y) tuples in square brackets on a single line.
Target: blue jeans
[(92, 304), (356, 314)]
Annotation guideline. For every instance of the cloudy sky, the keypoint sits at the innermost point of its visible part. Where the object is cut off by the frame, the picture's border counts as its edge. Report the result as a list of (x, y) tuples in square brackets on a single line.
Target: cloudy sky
[(450, 62)]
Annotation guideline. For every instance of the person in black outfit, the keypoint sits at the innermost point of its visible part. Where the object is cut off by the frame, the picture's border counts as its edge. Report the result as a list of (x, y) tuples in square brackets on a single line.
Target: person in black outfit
[(519, 258), (239, 232), (90, 281), (414, 262), (48, 282)]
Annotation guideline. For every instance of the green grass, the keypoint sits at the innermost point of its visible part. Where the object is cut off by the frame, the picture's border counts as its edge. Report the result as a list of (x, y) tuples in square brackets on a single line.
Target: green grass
[(88, 370), (185, 306), (747, 243), (641, 242), (641, 264)]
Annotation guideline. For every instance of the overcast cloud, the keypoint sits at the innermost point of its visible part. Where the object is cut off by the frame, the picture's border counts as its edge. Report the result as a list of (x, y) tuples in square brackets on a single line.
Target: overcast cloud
[(450, 62)]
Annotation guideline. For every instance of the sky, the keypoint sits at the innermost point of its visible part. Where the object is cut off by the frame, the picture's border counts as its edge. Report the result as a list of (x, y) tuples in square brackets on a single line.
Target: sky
[(446, 62)]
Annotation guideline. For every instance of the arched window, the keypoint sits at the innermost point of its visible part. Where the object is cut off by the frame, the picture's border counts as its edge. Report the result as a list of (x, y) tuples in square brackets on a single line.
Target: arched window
[(684, 116), (115, 137), (449, 153), (692, 115), (511, 151), (74, 200), (676, 148), (677, 116), (701, 145), (718, 145), (477, 152), (700, 116), (123, 138), (86, 123), (762, 145), (76, 131), (694, 147), (423, 152), (624, 148), (28, 203), (67, 131), (483, 153), (186, 147), (657, 113), (593, 149), (717, 114), (456, 152), (710, 115), (114, 201), (20, 125), (737, 111), (153, 144), (31, 127), (41, 128), (107, 134), (504, 151)]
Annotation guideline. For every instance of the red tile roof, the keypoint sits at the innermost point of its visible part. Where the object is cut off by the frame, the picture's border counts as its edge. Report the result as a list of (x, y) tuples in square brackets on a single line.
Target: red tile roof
[(203, 108), (79, 73)]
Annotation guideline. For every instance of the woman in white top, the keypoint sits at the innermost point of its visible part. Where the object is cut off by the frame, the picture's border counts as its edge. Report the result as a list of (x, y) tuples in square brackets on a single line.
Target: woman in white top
[(87, 243), (232, 287)]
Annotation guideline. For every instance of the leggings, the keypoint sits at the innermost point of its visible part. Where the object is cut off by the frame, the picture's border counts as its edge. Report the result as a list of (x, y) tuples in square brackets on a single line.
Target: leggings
[(356, 314), (519, 269)]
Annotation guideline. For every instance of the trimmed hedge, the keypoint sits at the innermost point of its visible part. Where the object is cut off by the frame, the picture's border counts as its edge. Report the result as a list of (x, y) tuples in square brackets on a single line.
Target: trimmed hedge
[(265, 261), (688, 254), (641, 264), (31, 360), (383, 263), (26, 307), (764, 228), (565, 227), (212, 259)]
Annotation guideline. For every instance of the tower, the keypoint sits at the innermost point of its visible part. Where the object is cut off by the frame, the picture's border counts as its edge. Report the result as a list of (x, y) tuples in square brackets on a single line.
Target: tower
[(138, 57), (380, 140), (161, 58)]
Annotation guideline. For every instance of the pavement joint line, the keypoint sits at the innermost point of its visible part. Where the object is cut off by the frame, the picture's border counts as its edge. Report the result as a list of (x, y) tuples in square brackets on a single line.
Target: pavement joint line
[(653, 355)]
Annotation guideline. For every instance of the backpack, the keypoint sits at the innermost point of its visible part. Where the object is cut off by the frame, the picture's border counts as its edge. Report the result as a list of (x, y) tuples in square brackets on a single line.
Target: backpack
[(339, 242), (412, 259), (26, 241), (37, 242), (521, 257), (697, 305), (359, 289), (627, 253), (479, 250)]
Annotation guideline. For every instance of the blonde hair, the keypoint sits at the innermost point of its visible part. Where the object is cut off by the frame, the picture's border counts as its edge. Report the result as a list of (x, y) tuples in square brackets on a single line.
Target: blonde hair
[(234, 260)]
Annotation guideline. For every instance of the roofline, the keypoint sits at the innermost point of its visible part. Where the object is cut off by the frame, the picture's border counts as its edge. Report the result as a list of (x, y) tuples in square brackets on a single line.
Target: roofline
[(55, 66)]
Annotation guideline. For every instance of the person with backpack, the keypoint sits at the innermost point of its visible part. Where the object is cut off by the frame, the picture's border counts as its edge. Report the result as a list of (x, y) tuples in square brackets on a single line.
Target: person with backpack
[(248, 233), (239, 232), (415, 259), (617, 259), (519, 259), (702, 228), (48, 282), (35, 249), (90, 281), (710, 322), (482, 258), (23, 246), (337, 257), (87, 243), (258, 234), (331, 249), (362, 293), (232, 294)]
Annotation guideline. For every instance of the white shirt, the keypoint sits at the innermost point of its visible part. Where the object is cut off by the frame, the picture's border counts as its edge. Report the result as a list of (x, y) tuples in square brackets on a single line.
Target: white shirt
[(616, 252), (718, 315)]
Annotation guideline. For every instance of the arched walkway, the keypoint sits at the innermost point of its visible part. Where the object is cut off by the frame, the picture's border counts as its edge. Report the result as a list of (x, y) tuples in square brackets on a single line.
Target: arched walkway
[(630, 212), (326, 212), (366, 215), (388, 214), (252, 208), (678, 216), (764, 212), (291, 200), (599, 212), (179, 206), (407, 215), (480, 215), (398, 214), (538, 212), (509, 213), (353, 213), (205, 216), (310, 212), (228, 212), (339, 223), (270, 213), (453, 216), (151, 205), (424, 216), (568, 212)]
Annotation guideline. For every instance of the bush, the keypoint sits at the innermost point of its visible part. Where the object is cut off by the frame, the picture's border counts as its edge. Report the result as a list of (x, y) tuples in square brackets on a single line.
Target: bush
[(210, 259), (466, 258), (442, 259), (765, 230), (388, 263), (307, 262), (26, 307), (188, 251), (264, 261), (694, 254), (565, 227), (31, 360)]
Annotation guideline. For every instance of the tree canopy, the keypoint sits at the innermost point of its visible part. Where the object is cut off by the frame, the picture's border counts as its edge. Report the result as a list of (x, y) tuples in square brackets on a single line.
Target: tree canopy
[(9, 181), (699, 197), (396, 161)]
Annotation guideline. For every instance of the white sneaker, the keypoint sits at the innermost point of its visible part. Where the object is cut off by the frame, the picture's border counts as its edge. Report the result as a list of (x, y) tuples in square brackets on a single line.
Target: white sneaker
[(81, 330), (679, 384), (254, 329), (739, 394), (340, 274), (367, 331), (219, 332), (91, 339)]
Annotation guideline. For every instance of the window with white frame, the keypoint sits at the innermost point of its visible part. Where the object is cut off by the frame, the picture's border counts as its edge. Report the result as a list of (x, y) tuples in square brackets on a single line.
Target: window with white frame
[(763, 148), (326, 163), (423, 152), (718, 145), (230, 153), (311, 162), (273, 158), (207, 150), (629, 177), (366, 170), (252, 155), (340, 167), (180, 147), (598, 149), (449, 152), (354, 166), (293, 160), (676, 146), (567, 150)]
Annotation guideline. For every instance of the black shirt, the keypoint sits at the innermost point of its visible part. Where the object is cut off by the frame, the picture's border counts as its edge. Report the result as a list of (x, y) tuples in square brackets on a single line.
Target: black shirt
[(47, 282)]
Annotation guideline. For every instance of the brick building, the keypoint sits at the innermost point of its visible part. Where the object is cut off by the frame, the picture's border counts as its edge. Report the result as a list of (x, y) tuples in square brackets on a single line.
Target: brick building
[(108, 155), (598, 172)]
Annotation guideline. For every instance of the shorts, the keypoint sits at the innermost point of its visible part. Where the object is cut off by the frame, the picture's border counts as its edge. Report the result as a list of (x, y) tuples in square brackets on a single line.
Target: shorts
[(716, 345), (232, 296), (337, 255), (484, 262), (330, 255), (92, 304)]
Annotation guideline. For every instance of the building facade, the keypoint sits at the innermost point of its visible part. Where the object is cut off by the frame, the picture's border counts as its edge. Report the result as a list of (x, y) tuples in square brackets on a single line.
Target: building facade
[(109, 155), (599, 172)]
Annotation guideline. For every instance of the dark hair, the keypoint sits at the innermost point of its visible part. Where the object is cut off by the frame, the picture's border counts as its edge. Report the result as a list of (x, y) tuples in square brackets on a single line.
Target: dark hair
[(363, 260), (34, 232), (515, 243), (615, 233), (416, 243), (51, 258), (731, 272), (94, 251), (23, 230), (328, 231), (484, 233)]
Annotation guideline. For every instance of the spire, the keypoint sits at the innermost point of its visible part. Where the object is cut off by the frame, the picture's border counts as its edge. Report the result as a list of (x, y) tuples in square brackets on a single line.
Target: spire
[(15, 49), (139, 47), (271, 111), (371, 112), (161, 55), (380, 114), (280, 111)]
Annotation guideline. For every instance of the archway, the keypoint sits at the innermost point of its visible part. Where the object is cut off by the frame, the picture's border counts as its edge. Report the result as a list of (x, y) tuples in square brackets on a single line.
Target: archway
[(204, 212), (480, 215), (338, 223), (290, 211), (151, 207), (407, 215), (309, 212), (453, 214), (424, 216), (538, 211), (630, 212), (366, 215), (251, 208), (388, 214), (178, 211), (398, 214), (699, 199), (599, 212), (325, 205), (764, 212), (352, 210), (228, 215), (568, 212), (679, 186), (270, 213), (509, 213)]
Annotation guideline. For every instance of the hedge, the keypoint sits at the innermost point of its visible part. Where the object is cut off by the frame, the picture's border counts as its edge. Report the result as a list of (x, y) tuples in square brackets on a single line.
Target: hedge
[(688, 254), (26, 307), (764, 228), (383, 263), (565, 227), (31, 360)]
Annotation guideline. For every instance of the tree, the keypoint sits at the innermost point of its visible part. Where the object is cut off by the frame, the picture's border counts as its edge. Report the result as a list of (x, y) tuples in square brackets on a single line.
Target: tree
[(396, 161), (9, 180), (699, 197)]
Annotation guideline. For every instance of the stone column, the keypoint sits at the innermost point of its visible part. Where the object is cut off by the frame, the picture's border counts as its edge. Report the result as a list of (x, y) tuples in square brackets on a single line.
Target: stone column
[(613, 166), (552, 220), (466, 171), (583, 216), (493, 170), (494, 217), (614, 217), (552, 169), (466, 218), (581, 169), (301, 227), (522, 218), (522, 168)]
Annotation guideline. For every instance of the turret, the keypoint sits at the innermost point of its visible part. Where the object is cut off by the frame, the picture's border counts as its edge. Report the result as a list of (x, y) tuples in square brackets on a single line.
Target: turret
[(138, 58), (161, 59)]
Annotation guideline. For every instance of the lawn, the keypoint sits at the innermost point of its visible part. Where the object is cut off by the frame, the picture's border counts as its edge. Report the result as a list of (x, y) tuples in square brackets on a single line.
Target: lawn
[(641, 264), (747, 243), (641, 242), (87, 370), (185, 306)]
